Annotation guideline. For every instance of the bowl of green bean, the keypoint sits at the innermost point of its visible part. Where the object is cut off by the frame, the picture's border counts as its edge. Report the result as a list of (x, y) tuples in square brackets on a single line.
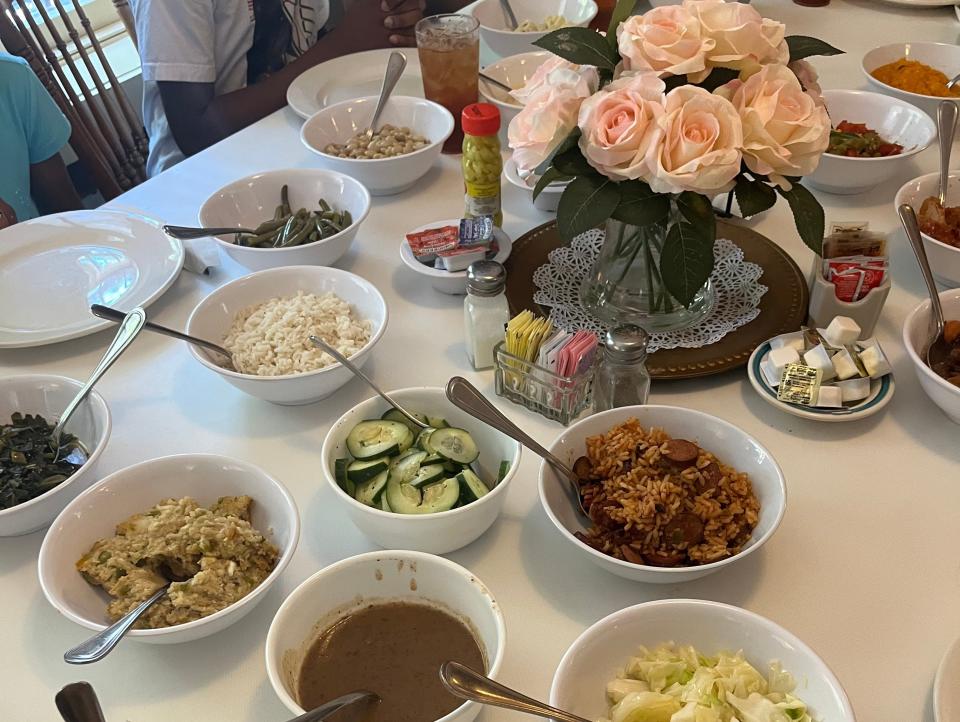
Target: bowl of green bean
[(300, 217)]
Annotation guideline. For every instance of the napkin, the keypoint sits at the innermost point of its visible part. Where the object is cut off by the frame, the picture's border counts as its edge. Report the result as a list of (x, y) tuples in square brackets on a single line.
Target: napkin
[(200, 255)]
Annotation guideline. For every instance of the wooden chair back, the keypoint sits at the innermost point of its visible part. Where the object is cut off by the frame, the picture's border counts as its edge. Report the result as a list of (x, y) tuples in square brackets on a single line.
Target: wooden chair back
[(107, 135)]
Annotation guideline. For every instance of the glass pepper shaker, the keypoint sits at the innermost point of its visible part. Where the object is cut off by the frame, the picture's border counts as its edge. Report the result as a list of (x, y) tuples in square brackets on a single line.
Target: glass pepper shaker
[(621, 378), (485, 311)]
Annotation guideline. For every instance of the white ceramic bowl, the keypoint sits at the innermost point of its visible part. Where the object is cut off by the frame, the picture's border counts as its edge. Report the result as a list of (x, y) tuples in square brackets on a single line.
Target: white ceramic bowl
[(48, 396), (944, 258), (434, 533), (248, 202), (94, 515), (503, 42), (604, 649), (213, 316), (549, 198), (450, 282), (515, 71), (730, 444), (382, 176), (895, 120), (388, 576), (944, 57), (946, 691), (915, 333)]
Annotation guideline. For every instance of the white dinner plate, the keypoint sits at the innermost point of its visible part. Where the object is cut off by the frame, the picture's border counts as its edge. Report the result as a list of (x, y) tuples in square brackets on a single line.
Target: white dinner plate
[(946, 686), (920, 3), (349, 77), (54, 267)]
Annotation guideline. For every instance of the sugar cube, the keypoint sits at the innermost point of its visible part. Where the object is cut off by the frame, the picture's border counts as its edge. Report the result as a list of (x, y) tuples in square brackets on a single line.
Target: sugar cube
[(788, 340), (780, 357), (854, 389), (875, 362), (819, 358), (830, 397), (842, 331), (770, 374), (844, 365)]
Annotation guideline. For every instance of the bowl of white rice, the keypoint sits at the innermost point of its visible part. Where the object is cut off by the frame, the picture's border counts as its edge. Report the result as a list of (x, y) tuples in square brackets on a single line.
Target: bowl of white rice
[(265, 321)]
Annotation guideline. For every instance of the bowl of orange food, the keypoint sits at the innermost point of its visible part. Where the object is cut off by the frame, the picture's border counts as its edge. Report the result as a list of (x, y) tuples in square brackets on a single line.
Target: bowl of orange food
[(914, 72), (939, 225)]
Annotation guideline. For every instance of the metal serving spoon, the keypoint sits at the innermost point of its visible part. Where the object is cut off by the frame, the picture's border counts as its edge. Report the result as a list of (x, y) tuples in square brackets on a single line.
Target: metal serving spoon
[(112, 314), (328, 708), (78, 702), (466, 396), (510, 16), (102, 643), (468, 684), (953, 81), (188, 233), (395, 67), (947, 128), (909, 220), (493, 81)]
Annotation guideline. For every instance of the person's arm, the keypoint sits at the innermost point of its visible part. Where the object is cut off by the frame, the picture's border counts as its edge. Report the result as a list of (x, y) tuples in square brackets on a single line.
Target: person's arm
[(8, 216), (52, 188)]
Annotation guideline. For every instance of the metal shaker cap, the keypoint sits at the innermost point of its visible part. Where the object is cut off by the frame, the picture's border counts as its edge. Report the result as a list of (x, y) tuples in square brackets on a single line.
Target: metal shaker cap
[(626, 343), (486, 278)]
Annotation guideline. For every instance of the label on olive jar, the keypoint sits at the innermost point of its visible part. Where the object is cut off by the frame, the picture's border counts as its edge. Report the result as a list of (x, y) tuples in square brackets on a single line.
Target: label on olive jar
[(482, 200)]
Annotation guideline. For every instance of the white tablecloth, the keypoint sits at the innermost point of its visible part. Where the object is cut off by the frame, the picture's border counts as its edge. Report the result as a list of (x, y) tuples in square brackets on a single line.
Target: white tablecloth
[(864, 567)]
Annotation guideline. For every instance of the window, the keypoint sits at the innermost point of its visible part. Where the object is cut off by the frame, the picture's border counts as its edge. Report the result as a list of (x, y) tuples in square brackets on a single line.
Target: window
[(101, 13)]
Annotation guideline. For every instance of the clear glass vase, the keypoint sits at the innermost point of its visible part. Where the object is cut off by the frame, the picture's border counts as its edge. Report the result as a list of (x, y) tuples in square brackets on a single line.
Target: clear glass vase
[(625, 286)]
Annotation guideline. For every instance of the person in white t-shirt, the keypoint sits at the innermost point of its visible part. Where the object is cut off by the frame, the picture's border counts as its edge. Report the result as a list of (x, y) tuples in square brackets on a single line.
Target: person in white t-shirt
[(212, 67)]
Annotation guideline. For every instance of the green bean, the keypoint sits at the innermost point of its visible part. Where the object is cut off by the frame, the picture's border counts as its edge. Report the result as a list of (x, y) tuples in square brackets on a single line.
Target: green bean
[(271, 225), (346, 217), (324, 205), (299, 237), (278, 213), (285, 200)]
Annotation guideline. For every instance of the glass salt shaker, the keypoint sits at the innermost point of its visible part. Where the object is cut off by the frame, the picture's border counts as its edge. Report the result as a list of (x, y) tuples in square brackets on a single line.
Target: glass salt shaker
[(485, 311), (621, 378)]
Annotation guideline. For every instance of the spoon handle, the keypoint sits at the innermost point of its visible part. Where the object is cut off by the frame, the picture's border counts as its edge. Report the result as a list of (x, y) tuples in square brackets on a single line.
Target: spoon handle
[(493, 81), (101, 643), (946, 127), (320, 343), (77, 702), (188, 233), (467, 684), (328, 708), (509, 14), (129, 328), (112, 314), (909, 219), (395, 67)]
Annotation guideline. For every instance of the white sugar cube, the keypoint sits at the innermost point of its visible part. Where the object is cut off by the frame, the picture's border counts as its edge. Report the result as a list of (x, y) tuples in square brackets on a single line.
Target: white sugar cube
[(854, 389), (875, 362), (829, 397), (788, 340), (770, 374), (842, 331), (844, 365), (780, 357), (819, 358)]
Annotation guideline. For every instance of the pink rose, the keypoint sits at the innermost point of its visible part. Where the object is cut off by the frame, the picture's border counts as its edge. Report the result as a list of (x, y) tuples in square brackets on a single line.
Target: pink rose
[(700, 150), (807, 75), (582, 80), (666, 39), (619, 125), (744, 40), (547, 118), (784, 131)]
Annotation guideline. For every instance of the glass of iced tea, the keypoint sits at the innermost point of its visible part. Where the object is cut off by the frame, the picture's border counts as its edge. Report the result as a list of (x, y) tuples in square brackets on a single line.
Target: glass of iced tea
[(449, 49)]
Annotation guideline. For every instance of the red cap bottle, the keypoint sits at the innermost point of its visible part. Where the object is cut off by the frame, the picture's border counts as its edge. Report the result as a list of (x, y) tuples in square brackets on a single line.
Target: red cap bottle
[(480, 119)]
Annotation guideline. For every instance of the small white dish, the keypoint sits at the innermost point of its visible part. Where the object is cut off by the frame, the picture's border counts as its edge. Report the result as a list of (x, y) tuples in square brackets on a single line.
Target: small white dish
[(214, 315), (453, 283), (733, 446), (881, 393), (597, 655), (944, 57), (946, 686), (351, 76), (385, 576), (53, 267), (504, 42), (444, 531), (895, 120), (944, 258), (515, 71), (95, 514), (549, 198), (382, 176), (915, 334), (249, 201), (48, 396)]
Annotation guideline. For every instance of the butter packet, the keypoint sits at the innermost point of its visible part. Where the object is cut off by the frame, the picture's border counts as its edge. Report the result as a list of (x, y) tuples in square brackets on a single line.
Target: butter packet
[(799, 384)]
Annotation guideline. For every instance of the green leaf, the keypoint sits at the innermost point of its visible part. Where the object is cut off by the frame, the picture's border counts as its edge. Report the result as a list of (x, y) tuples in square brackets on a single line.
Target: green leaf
[(698, 210), (807, 214), (640, 206), (551, 176), (566, 144), (718, 77), (686, 261), (580, 45), (753, 197), (571, 162), (586, 202), (621, 12), (802, 47)]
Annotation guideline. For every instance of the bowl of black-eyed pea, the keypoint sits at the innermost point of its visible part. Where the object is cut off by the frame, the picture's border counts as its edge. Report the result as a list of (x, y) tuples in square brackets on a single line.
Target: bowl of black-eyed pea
[(388, 159)]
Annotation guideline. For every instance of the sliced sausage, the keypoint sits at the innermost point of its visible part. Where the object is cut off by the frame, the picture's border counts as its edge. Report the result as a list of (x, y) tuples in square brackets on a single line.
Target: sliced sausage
[(684, 528), (630, 554), (583, 468), (681, 452), (710, 477), (665, 559)]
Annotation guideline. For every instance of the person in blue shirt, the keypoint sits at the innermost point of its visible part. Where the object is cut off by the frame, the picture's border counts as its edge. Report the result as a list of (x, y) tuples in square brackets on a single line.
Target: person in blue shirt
[(33, 177)]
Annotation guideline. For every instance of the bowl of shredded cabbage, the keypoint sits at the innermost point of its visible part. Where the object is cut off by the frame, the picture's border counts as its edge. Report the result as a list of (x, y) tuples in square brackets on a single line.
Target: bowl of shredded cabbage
[(685, 660)]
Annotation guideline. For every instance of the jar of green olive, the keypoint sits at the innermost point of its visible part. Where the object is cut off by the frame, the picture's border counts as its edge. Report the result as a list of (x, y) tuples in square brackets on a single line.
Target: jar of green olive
[(482, 163)]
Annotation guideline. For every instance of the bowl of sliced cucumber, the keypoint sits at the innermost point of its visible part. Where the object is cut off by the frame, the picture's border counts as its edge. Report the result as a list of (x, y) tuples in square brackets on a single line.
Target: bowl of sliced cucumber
[(405, 487)]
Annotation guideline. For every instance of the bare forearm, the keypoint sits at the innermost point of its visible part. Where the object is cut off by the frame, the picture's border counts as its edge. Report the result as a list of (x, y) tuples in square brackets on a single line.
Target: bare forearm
[(52, 188)]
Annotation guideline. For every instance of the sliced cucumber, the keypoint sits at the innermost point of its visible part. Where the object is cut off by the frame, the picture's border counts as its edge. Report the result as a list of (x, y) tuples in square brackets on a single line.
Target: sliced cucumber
[(403, 498), (454, 444), (405, 468), (472, 488), (437, 422), (369, 492), (433, 459), (428, 475), (394, 415), (340, 474), (504, 470), (441, 496), (453, 467), (373, 439), (384, 503), (423, 440), (359, 471)]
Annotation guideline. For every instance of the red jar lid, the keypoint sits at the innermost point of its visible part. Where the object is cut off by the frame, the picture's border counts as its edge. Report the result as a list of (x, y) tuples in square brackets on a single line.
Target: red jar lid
[(480, 119)]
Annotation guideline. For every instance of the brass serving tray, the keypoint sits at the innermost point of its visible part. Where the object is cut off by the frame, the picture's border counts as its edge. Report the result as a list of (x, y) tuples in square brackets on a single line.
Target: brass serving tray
[(782, 309)]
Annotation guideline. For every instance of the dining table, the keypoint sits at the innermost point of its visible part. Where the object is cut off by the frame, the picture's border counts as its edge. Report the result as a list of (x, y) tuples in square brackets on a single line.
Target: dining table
[(864, 567)]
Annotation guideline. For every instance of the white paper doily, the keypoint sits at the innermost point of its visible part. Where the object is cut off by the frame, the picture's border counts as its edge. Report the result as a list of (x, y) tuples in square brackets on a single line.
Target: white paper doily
[(737, 284)]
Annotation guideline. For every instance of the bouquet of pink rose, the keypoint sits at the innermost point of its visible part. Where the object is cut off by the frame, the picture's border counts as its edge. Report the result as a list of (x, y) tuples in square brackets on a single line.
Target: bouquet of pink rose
[(669, 109)]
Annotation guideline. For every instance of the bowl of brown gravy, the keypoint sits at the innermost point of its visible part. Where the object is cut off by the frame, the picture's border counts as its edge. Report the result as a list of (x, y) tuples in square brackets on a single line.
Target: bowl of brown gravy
[(385, 622)]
